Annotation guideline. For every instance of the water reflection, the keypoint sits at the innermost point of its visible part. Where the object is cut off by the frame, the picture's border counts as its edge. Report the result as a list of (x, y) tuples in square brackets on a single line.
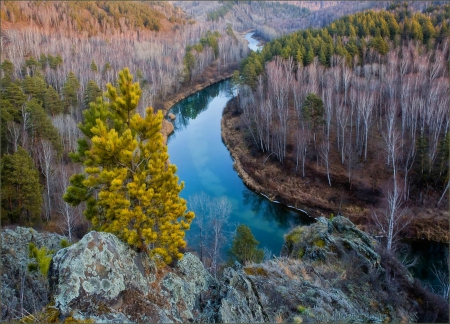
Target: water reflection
[(427, 258), (193, 105), (253, 43), (270, 211), (205, 165)]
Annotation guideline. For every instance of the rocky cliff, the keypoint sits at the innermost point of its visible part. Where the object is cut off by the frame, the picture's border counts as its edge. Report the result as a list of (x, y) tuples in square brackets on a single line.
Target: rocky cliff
[(330, 271)]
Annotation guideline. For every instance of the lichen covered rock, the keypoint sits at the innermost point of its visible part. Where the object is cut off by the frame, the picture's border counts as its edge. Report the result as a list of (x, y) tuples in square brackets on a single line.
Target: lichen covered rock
[(328, 240), (239, 300), (101, 278), (330, 272), (19, 285), (100, 266)]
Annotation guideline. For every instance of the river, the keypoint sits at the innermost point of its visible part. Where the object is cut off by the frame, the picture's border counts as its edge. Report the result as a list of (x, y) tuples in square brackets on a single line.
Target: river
[(252, 43), (205, 165)]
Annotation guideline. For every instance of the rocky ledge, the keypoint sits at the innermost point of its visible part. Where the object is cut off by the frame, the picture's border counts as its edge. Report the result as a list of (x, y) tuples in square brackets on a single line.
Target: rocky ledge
[(330, 271)]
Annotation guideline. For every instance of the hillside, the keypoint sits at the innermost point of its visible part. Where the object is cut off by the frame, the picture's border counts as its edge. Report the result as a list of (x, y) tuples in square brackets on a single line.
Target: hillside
[(91, 18), (271, 19), (341, 117)]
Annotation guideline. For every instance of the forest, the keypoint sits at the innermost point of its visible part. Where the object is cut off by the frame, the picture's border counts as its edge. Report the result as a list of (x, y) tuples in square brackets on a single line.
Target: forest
[(56, 61), (272, 19), (347, 102), (363, 101)]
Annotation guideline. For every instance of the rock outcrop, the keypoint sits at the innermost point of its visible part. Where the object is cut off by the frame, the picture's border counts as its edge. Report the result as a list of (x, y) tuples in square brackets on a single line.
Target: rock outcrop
[(330, 272), (327, 239), (239, 300), (23, 291), (101, 278)]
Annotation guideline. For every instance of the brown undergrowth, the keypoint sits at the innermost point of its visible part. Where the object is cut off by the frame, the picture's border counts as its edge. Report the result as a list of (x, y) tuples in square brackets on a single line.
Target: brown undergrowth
[(314, 195)]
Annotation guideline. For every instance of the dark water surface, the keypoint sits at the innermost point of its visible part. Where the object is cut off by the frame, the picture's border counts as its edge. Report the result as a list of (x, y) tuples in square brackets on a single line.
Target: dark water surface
[(205, 165)]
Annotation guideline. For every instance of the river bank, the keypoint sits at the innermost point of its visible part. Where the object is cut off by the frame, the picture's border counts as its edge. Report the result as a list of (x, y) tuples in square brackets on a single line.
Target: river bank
[(313, 193), (207, 78)]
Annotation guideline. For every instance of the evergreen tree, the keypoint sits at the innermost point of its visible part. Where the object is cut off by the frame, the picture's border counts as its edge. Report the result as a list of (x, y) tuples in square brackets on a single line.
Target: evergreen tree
[(70, 90), (12, 98), (309, 57), (41, 126), (93, 66), (249, 74), (35, 86), (91, 93), (244, 248), (52, 103), (129, 186), (313, 110), (54, 61), (21, 190), (189, 64), (11, 90), (106, 68), (7, 68)]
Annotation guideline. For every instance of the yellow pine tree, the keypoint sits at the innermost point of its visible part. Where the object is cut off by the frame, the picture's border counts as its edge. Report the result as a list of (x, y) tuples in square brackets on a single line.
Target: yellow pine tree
[(129, 186)]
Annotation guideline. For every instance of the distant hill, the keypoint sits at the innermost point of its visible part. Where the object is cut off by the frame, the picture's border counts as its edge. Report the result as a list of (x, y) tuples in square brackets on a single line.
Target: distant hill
[(90, 18)]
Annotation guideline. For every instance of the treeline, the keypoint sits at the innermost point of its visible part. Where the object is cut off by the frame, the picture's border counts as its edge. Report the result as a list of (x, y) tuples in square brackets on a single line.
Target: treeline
[(344, 112), (211, 47), (281, 9), (92, 17), (221, 12), (272, 19), (360, 36)]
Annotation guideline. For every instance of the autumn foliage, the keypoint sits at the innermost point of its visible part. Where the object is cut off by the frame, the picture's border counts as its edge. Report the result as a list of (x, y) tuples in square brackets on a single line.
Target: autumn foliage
[(129, 187)]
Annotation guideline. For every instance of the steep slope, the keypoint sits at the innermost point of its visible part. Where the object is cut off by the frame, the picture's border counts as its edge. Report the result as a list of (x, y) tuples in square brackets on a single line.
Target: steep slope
[(331, 272)]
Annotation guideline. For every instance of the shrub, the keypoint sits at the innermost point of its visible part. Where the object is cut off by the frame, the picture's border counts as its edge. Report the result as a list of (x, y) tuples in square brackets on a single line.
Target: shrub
[(64, 243), (43, 257), (244, 248), (257, 271)]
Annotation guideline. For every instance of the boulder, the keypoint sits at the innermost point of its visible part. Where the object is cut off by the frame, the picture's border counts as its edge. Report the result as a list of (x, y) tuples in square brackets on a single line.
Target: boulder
[(171, 116), (20, 286), (328, 240), (99, 267), (239, 301), (330, 272), (102, 279)]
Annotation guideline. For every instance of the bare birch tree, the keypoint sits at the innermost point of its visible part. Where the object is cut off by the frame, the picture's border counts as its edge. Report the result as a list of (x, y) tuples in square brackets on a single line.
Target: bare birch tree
[(47, 160), (394, 219)]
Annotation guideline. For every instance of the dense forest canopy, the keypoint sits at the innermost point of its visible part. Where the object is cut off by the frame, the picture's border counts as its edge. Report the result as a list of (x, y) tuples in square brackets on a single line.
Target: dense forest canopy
[(356, 35)]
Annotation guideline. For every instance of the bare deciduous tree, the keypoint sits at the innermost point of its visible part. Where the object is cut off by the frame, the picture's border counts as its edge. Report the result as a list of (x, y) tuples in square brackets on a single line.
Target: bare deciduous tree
[(394, 219), (71, 216), (211, 219), (13, 135), (324, 151), (47, 161)]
